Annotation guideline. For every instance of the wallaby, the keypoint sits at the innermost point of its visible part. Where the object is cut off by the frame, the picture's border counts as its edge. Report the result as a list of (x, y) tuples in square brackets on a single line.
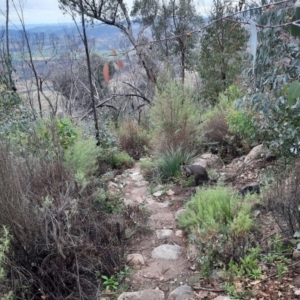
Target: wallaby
[(199, 172), (251, 189)]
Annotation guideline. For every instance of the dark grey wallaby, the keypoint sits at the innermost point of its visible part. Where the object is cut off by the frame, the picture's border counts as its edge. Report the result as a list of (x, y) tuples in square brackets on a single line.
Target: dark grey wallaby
[(199, 173)]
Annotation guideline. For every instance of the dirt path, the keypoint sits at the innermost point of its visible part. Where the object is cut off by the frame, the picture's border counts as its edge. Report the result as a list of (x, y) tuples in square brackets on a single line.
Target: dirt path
[(162, 259)]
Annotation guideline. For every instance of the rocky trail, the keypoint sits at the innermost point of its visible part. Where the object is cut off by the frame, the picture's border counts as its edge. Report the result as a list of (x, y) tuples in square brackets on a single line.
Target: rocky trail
[(163, 262), (162, 259)]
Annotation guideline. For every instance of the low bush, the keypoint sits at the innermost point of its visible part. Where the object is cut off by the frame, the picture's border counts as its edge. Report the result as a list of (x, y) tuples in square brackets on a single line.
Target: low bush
[(82, 157), (59, 239), (122, 160), (237, 274), (175, 118), (284, 200), (276, 118), (224, 133), (219, 222), (150, 171), (133, 139)]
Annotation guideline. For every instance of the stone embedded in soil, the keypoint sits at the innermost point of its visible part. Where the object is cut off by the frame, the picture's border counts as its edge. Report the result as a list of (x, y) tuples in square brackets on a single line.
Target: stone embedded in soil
[(222, 298), (179, 212), (112, 185), (296, 254), (170, 192), (163, 233), (140, 191), (158, 193), (167, 252), (136, 176), (296, 281), (181, 293), (255, 153), (135, 259), (143, 295), (179, 233), (212, 161)]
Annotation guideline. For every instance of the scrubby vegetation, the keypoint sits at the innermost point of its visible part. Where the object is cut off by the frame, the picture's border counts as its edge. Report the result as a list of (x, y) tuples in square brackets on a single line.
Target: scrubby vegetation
[(175, 117), (219, 222), (63, 231)]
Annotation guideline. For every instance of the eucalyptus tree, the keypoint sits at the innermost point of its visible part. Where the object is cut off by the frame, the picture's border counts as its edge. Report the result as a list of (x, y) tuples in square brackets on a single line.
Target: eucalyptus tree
[(172, 27), (221, 46), (274, 80)]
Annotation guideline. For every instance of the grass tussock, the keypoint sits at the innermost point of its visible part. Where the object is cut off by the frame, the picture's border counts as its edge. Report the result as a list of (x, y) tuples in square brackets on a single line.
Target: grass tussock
[(166, 165)]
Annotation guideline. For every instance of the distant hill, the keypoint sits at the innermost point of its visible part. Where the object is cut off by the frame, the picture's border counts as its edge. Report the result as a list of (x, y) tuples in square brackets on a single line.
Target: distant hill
[(104, 35)]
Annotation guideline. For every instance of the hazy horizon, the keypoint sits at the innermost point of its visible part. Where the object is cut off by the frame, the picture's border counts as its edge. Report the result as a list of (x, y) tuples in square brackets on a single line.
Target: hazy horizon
[(48, 12)]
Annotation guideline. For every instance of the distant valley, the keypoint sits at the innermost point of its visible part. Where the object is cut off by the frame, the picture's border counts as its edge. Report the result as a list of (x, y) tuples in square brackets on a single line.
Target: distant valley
[(101, 36)]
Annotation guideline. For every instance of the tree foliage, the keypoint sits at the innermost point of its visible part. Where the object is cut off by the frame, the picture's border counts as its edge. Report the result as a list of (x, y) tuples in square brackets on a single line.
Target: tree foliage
[(222, 44), (275, 82), (174, 115), (177, 19)]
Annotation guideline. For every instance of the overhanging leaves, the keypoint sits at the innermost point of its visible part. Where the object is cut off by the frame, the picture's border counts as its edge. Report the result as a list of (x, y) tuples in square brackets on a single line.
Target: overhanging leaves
[(293, 92), (295, 30)]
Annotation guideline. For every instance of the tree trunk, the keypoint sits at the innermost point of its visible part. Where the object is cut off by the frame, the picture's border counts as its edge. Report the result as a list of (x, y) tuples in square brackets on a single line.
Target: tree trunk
[(9, 67), (85, 41)]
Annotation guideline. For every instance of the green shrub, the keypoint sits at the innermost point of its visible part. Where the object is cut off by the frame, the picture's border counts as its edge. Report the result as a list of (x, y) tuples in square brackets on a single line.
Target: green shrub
[(219, 222), (82, 157), (211, 209), (15, 116), (122, 160), (67, 133), (4, 248), (108, 137), (46, 139), (226, 128), (240, 122), (174, 116)]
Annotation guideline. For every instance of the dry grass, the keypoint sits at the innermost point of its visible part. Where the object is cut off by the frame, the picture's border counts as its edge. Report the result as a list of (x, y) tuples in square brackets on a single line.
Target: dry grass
[(133, 139), (59, 240), (283, 199)]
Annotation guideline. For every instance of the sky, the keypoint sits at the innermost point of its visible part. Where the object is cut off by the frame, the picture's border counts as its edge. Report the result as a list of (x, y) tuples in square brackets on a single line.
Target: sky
[(37, 12), (47, 11)]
